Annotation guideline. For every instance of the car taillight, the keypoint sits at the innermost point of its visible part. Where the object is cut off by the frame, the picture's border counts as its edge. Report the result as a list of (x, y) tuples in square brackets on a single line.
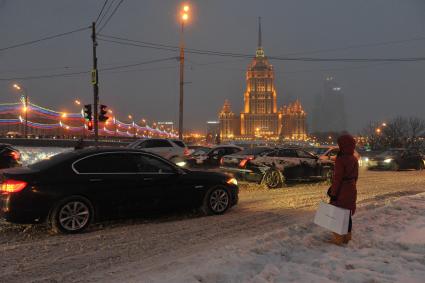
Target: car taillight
[(12, 186), (243, 162), (222, 161), (15, 155)]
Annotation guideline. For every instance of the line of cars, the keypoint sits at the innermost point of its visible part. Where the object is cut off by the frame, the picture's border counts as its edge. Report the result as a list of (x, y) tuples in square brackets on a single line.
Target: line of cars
[(73, 189)]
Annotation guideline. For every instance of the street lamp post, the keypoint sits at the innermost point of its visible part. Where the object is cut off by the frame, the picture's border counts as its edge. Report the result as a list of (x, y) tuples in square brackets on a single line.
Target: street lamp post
[(184, 18), (24, 90), (83, 132)]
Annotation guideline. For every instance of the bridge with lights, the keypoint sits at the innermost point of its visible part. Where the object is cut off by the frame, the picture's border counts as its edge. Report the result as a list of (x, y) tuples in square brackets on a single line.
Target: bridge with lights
[(41, 122)]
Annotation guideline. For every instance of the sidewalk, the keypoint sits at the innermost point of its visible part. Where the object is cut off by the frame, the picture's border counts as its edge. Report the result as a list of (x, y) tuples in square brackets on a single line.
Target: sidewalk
[(388, 246)]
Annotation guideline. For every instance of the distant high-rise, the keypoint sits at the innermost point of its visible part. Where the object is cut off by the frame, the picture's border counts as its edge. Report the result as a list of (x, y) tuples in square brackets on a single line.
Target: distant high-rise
[(329, 109)]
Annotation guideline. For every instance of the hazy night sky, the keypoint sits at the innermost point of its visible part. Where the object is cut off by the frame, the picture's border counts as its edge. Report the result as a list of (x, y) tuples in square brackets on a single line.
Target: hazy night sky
[(374, 91)]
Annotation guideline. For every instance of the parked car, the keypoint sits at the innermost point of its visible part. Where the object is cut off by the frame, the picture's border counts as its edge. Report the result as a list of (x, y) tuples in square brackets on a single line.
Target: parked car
[(396, 159), (242, 164), (325, 152), (174, 150), (9, 156), (211, 158), (71, 190), (330, 152), (280, 165)]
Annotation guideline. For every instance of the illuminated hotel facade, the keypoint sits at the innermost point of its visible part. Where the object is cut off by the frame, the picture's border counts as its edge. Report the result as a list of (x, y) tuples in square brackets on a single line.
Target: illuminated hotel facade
[(260, 116)]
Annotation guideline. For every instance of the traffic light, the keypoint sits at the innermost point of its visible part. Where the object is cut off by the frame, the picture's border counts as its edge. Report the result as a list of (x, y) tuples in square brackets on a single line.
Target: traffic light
[(102, 113), (87, 112), (90, 125)]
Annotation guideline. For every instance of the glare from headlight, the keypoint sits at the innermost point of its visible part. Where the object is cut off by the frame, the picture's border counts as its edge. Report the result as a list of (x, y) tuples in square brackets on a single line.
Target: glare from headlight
[(366, 159), (232, 181), (181, 163), (388, 160)]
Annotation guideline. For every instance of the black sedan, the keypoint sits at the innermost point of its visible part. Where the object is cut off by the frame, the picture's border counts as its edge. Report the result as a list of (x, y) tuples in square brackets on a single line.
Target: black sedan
[(397, 159), (73, 189), (275, 167)]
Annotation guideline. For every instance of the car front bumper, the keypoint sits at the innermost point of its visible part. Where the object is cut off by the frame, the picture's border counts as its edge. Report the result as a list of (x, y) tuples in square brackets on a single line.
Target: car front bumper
[(243, 174)]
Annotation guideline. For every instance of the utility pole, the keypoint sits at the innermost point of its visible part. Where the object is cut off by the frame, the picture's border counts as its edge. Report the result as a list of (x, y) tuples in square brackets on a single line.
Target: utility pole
[(181, 82), (95, 82)]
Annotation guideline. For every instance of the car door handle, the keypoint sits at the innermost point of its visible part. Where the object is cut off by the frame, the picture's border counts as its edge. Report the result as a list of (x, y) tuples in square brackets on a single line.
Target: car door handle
[(95, 180), (147, 179)]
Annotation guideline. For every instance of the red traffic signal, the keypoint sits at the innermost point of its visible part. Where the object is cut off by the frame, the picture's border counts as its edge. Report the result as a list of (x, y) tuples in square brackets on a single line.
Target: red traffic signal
[(90, 125)]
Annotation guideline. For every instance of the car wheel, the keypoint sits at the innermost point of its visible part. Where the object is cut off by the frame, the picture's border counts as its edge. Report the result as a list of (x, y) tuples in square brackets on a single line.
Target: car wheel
[(395, 166), (71, 215), (273, 179), (216, 201), (329, 176)]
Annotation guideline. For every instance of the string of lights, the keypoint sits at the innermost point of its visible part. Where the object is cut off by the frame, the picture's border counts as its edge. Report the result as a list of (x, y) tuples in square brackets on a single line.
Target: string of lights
[(52, 114)]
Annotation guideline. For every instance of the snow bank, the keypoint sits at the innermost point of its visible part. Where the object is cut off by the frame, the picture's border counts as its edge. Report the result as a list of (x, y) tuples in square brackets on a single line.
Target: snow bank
[(388, 246)]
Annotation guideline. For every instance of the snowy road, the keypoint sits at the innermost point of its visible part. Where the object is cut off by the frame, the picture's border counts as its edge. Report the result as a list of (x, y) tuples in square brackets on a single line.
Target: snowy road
[(138, 250)]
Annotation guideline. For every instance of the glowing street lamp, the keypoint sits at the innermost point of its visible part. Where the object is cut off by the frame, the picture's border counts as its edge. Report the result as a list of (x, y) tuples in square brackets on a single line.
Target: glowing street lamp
[(25, 109), (184, 18), (78, 102)]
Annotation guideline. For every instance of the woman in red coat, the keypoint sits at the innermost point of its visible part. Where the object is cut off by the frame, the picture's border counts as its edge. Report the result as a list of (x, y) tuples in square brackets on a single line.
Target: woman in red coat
[(343, 192)]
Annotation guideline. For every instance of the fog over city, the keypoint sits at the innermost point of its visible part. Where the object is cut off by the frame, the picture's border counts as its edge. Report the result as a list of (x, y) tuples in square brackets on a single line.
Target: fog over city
[(290, 28)]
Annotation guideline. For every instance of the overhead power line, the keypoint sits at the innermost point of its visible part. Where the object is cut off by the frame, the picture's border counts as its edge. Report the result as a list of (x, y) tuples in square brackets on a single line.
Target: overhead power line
[(106, 12), (143, 44), (101, 10), (110, 17), (68, 74), (43, 39), (356, 46)]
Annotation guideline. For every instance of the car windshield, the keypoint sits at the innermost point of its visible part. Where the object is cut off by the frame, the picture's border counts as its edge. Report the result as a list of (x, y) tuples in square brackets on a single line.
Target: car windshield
[(391, 152), (318, 150), (52, 161), (179, 143), (254, 151)]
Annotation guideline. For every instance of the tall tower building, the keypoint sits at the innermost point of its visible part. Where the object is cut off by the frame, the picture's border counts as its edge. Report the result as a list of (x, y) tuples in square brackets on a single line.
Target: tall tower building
[(329, 114), (259, 116)]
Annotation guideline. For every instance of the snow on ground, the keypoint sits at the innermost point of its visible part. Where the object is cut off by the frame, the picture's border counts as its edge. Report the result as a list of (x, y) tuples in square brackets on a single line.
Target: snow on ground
[(388, 246), (269, 235)]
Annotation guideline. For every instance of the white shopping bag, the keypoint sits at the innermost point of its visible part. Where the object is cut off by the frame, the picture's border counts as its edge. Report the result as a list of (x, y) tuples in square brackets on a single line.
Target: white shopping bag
[(332, 218)]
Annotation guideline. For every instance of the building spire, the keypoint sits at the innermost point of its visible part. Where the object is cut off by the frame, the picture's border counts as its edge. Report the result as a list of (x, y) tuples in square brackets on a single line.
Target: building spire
[(259, 33), (260, 51)]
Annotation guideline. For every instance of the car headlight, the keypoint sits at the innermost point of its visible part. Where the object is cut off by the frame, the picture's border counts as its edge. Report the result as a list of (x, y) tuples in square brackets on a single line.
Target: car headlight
[(181, 163), (232, 181), (388, 160), (366, 159)]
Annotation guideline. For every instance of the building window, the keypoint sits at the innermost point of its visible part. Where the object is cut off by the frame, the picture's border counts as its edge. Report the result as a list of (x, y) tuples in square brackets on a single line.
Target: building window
[(261, 86)]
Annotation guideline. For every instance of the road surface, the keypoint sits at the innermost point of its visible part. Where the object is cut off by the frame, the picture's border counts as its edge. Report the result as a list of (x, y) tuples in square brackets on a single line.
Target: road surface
[(111, 250)]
